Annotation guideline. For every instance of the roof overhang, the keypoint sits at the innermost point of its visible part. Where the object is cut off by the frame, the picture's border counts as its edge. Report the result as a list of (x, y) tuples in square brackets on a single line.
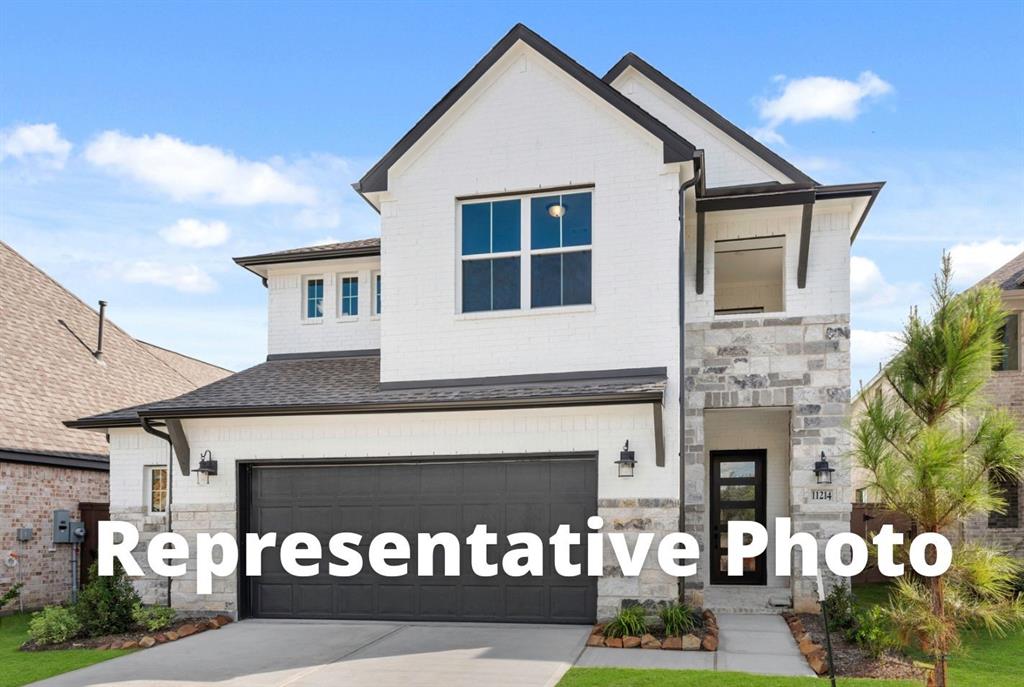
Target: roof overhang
[(257, 264), (99, 463), (675, 147)]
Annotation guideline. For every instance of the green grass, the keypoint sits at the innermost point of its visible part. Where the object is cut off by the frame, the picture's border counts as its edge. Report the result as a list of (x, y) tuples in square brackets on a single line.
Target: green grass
[(22, 667), (631, 677)]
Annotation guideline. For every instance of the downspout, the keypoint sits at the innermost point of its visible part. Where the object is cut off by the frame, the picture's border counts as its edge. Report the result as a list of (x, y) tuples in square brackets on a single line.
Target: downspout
[(698, 171), (147, 426)]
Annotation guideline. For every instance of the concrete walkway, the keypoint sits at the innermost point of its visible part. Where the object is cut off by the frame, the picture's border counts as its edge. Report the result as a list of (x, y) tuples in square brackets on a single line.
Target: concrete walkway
[(747, 643), (325, 654)]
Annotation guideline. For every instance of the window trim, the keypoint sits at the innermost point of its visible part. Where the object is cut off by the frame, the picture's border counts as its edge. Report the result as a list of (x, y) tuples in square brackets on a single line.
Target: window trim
[(147, 488), (1011, 360), (751, 311), (524, 253), (340, 279), (304, 307)]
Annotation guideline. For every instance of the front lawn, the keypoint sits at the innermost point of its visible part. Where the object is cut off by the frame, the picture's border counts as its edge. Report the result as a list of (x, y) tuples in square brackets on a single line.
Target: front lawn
[(631, 677), (22, 667)]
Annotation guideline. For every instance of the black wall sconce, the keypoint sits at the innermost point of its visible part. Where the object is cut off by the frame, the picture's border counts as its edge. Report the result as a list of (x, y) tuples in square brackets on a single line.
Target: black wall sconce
[(822, 471), (626, 461), (207, 466)]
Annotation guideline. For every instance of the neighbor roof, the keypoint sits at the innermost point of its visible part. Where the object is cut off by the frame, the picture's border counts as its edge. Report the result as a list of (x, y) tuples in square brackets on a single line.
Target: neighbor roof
[(48, 371), (1009, 277), (676, 148), (318, 385), (691, 101)]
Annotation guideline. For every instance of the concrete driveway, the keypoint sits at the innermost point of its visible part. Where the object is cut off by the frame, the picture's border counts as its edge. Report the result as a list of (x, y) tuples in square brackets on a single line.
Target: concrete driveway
[(265, 653)]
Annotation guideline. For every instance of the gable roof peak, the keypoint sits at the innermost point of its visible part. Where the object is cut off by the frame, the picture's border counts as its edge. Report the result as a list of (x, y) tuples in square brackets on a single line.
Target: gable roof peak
[(631, 59), (676, 148)]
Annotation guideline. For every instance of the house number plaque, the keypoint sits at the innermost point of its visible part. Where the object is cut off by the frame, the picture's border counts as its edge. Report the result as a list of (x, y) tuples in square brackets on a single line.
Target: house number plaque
[(821, 495)]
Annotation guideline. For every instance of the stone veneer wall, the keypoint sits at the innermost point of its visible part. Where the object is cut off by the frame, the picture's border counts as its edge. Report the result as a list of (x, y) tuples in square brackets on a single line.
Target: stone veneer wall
[(28, 496), (800, 363), (653, 588), (187, 520)]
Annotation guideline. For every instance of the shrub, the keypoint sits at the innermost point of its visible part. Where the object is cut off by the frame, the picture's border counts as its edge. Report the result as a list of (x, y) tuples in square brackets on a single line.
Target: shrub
[(53, 625), (153, 618), (840, 607), (106, 604), (629, 621), (679, 619), (872, 631)]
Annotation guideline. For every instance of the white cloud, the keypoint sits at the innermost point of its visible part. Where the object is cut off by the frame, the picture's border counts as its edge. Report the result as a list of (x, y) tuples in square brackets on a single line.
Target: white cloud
[(195, 172), (195, 233), (972, 262), (41, 142), (868, 349), (817, 97), (184, 278), (869, 289), (767, 135)]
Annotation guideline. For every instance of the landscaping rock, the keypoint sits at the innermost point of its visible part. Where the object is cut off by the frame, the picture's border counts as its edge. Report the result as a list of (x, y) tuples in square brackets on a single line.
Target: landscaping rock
[(212, 624), (595, 640), (171, 635), (709, 643), (691, 643), (675, 643), (223, 620), (630, 642), (649, 642), (186, 630), (598, 629), (613, 642), (147, 642), (807, 646), (818, 662), (160, 638), (128, 644)]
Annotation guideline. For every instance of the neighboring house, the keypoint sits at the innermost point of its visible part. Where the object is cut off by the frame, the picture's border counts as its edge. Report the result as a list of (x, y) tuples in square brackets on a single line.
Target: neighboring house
[(50, 370), (1004, 390), (516, 325)]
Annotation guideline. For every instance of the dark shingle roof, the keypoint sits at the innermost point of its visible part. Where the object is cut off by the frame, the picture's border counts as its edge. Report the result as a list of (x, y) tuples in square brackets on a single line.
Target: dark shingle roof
[(325, 251), (351, 384), (1009, 277), (48, 372)]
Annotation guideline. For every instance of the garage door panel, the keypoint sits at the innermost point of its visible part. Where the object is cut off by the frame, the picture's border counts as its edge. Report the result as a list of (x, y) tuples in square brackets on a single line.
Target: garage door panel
[(507, 496)]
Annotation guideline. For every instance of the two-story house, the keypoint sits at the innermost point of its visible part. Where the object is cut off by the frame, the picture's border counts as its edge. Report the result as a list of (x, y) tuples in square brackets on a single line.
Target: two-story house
[(558, 252)]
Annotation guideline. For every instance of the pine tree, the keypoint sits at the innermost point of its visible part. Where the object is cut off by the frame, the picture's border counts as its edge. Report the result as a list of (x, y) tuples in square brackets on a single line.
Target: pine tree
[(935, 451)]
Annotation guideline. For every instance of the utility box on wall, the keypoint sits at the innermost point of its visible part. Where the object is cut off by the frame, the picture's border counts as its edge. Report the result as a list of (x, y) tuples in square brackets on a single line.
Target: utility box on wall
[(66, 530)]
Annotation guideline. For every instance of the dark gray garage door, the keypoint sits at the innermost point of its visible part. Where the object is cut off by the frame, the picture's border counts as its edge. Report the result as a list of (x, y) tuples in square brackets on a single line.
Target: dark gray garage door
[(521, 495)]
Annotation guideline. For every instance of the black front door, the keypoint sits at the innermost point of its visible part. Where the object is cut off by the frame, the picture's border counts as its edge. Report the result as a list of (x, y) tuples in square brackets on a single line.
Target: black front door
[(737, 493)]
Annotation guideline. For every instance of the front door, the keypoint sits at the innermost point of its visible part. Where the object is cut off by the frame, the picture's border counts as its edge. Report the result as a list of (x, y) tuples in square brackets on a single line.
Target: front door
[(737, 493)]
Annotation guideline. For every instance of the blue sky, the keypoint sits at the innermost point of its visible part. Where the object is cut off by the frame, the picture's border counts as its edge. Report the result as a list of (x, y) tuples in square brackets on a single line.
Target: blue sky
[(146, 144)]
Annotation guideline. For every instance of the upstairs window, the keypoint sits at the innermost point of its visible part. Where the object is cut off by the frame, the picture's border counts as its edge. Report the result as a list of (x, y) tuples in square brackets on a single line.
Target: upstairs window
[(1008, 489), (560, 243), (491, 255), (1009, 335), (314, 298), (349, 297), (376, 293), (749, 275)]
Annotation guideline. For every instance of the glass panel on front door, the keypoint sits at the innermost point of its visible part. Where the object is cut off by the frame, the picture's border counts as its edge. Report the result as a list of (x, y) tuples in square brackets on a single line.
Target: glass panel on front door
[(737, 493)]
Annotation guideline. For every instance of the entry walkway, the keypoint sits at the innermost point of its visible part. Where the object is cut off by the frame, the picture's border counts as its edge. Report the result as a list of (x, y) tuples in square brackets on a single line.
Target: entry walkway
[(747, 643)]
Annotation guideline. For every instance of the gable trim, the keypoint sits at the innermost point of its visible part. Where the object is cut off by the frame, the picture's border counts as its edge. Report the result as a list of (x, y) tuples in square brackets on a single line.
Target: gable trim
[(702, 109), (676, 148)]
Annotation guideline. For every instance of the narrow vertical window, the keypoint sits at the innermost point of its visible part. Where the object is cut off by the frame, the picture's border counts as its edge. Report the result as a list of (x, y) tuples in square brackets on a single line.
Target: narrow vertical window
[(156, 488), (376, 294), (491, 255), (560, 250), (349, 296), (314, 298), (1008, 336)]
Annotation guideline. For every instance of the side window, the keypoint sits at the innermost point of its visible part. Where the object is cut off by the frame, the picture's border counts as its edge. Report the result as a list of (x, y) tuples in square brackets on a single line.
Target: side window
[(348, 296), (490, 255), (1008, 489), (155, 478), (1009, 334), (314, 298), (560, 250), (376, 293)]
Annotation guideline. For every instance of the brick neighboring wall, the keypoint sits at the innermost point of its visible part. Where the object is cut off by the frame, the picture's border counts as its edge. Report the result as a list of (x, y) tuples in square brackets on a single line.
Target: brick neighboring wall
[(28, 496)]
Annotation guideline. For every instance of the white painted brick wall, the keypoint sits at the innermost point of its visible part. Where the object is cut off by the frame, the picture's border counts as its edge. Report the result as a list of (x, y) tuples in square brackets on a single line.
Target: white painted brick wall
[(289, 332), (728, 162)]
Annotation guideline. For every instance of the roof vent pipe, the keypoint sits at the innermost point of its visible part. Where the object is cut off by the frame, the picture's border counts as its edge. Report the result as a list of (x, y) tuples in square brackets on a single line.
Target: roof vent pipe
[(99, 334)]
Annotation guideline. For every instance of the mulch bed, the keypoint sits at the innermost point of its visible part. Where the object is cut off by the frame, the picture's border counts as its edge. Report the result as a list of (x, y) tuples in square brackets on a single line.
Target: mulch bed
[(704, 638), (850, 660), (179, 629)]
